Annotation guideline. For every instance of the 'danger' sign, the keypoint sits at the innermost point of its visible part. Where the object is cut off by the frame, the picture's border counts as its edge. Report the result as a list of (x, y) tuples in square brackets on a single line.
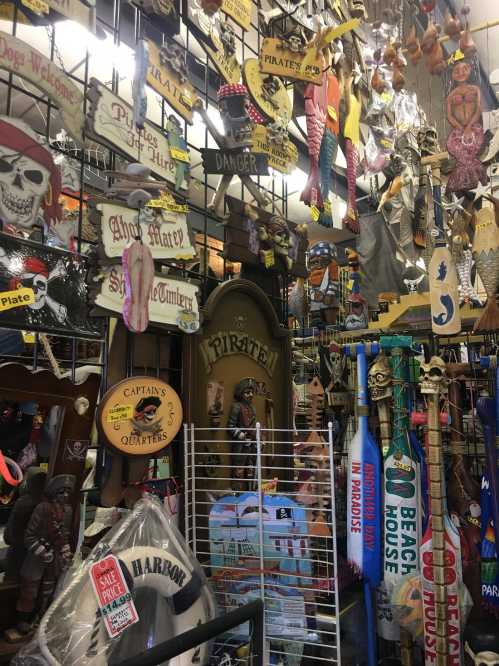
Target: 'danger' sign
[(166, 233), (20, 58), (171, 301), (111, 120)]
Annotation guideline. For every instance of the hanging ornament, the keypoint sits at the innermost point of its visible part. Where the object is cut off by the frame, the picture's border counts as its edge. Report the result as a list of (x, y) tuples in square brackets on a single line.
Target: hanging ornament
[(428, 6), (466, 43), (413, 46), (452, 26)]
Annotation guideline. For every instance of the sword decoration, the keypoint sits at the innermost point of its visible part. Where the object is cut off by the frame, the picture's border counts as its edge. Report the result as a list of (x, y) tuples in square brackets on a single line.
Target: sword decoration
[(440, 552)]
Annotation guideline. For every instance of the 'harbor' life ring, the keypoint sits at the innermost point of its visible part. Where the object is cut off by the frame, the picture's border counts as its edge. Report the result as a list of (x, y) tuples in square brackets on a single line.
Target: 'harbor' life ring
[(148, 568)]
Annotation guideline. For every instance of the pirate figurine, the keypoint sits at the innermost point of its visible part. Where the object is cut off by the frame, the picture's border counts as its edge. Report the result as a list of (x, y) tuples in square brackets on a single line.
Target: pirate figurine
[(145, 415), (324, 284), (241, 426), (47, 542)]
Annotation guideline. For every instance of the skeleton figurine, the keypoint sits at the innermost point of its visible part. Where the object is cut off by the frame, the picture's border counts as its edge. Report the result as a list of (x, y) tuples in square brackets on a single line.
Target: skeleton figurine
[(172, 55), (234, 105), (275, 239), (277, 134), (228, 39), (481, 643), (433, 377), (241, 426), (33, 272)]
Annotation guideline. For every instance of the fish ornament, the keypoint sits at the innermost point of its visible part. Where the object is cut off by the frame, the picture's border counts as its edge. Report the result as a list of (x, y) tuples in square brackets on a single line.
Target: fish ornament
[(351, 134), (329, 146), (486, 256), (315, 113)]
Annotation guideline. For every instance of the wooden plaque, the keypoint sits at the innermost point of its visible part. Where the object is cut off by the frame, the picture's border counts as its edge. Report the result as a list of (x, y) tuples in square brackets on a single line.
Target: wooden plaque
[(165, 81), (140, 416), (283, 158), (163, 14), (23, 60), (165, 233), (279, 106), (228, 68), (110, 121), (237, 163), (172, 302), (240, 11), (276, 59)]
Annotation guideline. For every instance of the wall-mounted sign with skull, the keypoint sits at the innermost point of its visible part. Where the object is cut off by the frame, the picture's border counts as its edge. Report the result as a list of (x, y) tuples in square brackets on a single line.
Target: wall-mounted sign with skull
[(58, 279), (28, 176)]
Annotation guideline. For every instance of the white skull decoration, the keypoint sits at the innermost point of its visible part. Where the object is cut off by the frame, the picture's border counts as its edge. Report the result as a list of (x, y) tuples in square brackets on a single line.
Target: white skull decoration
[(433, 377), (486, 658), (380, 379), (24, 180)]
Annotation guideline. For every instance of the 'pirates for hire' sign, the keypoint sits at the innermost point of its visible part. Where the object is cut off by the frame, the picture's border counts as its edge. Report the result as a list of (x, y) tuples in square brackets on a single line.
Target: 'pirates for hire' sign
[(166, 233), (23, 60), (111, 121), (172, 301)]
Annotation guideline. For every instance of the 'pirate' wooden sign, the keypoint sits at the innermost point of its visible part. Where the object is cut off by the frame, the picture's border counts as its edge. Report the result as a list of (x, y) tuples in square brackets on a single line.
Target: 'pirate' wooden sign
[(237, 163), (167, 234), (23, 60), (172, 301), (58, 282), (111, 121), (168, 76)]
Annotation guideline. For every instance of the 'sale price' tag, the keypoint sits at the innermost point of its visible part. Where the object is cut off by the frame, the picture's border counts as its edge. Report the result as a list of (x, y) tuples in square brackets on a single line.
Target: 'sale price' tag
[(113, 596)]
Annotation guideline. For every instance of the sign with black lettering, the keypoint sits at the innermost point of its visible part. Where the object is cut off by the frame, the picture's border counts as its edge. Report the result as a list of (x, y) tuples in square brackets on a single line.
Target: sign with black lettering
[(238, 163)]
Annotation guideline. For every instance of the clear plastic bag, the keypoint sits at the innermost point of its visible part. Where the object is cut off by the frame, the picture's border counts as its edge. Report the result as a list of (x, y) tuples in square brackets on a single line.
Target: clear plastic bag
[(169, 590)]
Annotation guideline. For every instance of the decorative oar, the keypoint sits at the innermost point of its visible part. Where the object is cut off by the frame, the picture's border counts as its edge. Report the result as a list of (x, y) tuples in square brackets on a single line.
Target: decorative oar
[(440, 551), (364, 500)]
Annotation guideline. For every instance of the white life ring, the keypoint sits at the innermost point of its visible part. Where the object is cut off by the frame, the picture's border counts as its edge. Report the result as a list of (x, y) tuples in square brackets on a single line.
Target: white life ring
[(150, 568)]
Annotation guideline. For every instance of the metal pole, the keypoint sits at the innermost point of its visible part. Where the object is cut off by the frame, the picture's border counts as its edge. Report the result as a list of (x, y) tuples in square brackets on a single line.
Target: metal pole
[(186, 482)]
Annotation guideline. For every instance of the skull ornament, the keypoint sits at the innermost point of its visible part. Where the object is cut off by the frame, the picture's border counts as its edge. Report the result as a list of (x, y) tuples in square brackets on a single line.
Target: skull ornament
[(486, 658), (428, 141), (277, 133), (380, 379), (228, 39), (433, 376)]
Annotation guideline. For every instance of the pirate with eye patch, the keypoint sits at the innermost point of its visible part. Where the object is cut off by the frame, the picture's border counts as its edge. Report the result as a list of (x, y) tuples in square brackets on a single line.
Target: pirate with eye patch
[(144, 417)]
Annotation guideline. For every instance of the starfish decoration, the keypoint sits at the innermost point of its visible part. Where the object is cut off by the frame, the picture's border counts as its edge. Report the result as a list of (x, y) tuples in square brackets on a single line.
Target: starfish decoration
[(481, 191), (454, 206)]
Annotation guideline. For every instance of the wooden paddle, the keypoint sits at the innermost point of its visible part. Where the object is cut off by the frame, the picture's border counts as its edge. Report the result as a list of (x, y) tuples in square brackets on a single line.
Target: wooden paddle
[(444, 294)]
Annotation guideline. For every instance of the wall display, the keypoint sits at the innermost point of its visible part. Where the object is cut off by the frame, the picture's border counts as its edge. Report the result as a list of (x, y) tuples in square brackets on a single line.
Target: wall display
[(281, 152), (324, 284), (110, 120), (172, 302), (285, 58), (486, 256), (23, 60), (255, 236), (240, 11), (166, 233), (202, 18), (268, 92), (140, 416), (58, 280), (226, 162), (315, 114), (168, 75)]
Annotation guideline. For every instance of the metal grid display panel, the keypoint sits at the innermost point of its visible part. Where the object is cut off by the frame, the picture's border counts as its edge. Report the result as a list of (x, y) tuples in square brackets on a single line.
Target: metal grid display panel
[(290, 567)]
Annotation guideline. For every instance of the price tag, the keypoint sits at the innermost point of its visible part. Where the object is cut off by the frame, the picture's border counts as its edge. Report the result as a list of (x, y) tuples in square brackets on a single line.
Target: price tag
[(180, 155), (332, 113), (315, 213), (113, 596), (350, 285), (28, 337), (327, 206), (268, 258), (186, 100), (37, 6), (17, 298), (120, 413)]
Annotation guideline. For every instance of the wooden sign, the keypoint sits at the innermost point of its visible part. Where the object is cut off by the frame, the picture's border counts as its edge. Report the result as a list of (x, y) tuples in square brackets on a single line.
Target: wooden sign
[(282, 157), (110, 121), (235, 163), (240, 11), (228, 67), (268, 92), (23, 60), (276, 59), (230, 343), (165, 81), (58, 280), (166, 234), (172, 302), (164, 14), (140, 416), (38, 12)]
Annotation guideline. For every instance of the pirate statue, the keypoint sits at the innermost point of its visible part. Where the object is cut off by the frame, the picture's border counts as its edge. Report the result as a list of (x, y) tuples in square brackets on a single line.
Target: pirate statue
[(241, 426), (324, 284), (48, 553)]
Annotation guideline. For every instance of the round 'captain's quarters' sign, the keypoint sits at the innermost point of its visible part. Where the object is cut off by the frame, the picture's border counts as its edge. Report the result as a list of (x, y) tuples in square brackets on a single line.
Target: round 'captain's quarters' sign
[(139, 416)]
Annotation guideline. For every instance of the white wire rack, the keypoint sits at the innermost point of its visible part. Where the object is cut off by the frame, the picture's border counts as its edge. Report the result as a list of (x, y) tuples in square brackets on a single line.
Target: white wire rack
[(271, 535)]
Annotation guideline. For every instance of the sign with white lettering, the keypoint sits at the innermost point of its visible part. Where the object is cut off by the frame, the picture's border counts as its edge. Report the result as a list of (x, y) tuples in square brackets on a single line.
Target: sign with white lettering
[(113, 596), (111, 121), (172, 301), (152, 416), (276, 58), (166, 234), (23, 60), (281, 156), (240, 11), (234, 163), (181, 95)]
